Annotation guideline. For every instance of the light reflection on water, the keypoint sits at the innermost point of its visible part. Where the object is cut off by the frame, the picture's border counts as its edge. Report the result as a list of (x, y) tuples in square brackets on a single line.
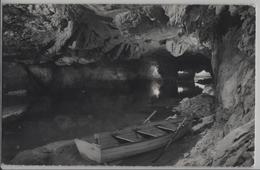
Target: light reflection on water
[(182, 89), (155, 80), (201, 86), (54, 118), (154, 70), (155, 89), (189, 84)]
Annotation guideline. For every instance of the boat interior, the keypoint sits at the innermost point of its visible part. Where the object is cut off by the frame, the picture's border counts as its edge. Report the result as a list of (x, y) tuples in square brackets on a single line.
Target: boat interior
[(137, 133)]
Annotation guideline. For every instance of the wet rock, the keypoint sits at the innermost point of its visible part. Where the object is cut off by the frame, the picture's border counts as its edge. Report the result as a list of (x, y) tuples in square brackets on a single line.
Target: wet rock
[(236, 148), (41, 31), (199, 155), (206, 123), (239, 118), (186, 43), (175, 13), (222, 115), (38, 156), (101, 32), (235, 90), (31, 157), (56, 153), (214, 149), (209, 90), (235, 70), (199, 106), (61, 37), (141, 19), (67, 155), (186, 155)]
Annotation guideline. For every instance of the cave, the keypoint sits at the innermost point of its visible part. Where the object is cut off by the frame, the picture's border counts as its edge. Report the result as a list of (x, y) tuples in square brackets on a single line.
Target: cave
[(189, 68), (178, 77), (194, 63), (163, 61)]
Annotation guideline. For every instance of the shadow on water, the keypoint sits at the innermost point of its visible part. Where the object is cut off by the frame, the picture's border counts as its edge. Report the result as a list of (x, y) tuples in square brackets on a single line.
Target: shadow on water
[(82, 113)]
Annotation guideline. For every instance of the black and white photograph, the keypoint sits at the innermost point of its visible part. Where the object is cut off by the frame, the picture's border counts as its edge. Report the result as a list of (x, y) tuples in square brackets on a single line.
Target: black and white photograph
[(143, 85)]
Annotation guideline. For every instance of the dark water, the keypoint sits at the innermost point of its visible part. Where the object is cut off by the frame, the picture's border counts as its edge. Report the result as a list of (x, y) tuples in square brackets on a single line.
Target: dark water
[(82, 113)]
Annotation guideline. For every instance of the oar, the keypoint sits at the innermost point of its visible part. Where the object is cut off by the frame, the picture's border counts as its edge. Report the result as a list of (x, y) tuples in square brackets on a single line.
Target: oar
[(174, 135), (149, 117)]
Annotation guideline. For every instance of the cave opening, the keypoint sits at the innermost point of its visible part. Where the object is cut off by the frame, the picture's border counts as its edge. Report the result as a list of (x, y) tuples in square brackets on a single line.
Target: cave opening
[(194, 63), (194, 72), (183, 76)]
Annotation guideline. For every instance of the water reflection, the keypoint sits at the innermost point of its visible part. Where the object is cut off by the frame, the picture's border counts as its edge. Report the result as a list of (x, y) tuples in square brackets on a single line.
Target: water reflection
[(155, 89), (190, 84), (187, 89), (71, 115), (154, 70), (182, 89), (201, 86)]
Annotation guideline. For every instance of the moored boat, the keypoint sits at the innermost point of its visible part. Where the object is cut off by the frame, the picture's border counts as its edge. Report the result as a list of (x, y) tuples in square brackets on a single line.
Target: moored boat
[(110, 146)]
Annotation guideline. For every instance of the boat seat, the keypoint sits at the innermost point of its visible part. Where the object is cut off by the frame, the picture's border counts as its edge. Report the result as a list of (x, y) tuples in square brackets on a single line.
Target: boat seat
[(106, 140), (151, 131), (130, 136), (168, 126)]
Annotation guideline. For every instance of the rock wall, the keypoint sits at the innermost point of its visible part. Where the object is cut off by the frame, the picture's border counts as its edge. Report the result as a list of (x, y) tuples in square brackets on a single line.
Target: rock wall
[(58, 78), (230, 142), (71, 35), (228, 33), (35, 30), (236, 83), (49, 77)]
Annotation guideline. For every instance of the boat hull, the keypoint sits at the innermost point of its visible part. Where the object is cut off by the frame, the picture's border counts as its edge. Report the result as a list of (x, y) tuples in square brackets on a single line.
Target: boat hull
[(123, 151), (88, 150), (95, 152)]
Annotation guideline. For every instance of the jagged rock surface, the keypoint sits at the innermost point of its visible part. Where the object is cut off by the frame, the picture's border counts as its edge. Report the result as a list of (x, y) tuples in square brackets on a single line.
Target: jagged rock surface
[(198, 107), (236, 148), (232, 67)]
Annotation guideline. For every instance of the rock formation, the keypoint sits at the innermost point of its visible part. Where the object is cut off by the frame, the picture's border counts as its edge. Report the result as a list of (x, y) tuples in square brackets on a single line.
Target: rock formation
[(41, 38)]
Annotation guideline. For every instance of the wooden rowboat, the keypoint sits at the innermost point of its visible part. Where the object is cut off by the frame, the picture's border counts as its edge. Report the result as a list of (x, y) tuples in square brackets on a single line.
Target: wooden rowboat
[(110, 146)]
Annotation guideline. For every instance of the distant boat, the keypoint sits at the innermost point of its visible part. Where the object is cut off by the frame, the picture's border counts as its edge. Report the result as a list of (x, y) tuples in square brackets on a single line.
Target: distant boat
[(110, 146)]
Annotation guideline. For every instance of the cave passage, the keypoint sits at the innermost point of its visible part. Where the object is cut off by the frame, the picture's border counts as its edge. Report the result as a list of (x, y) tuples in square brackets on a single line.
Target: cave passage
[(90, 75), (194, 72), (75, 70), (123, 93)]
